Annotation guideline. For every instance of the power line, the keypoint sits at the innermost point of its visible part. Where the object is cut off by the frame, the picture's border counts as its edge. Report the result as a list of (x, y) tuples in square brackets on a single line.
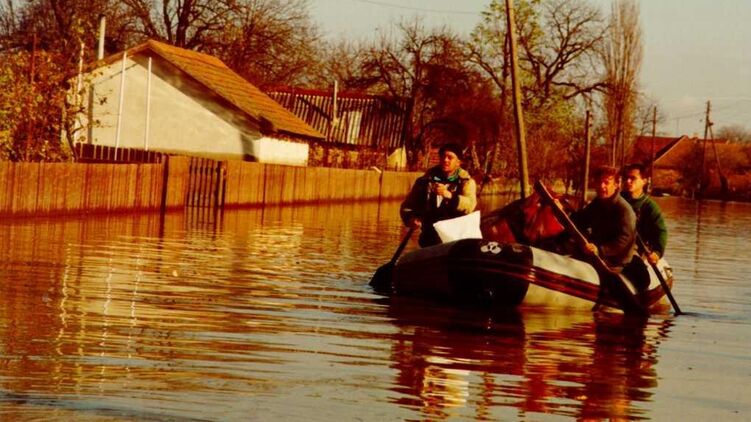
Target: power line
[(735, 112), (701, 113), (418, 9)]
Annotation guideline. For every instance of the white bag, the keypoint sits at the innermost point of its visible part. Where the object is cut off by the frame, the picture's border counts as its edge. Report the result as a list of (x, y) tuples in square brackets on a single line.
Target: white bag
[(463, 227)]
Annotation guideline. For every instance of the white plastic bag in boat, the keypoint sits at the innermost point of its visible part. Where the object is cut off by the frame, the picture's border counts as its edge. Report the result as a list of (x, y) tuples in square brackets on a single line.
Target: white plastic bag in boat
[(463, 227)]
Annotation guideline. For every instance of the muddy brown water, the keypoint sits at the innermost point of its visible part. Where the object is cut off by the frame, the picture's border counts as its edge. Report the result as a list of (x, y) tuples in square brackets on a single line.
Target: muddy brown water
[(265, 314)]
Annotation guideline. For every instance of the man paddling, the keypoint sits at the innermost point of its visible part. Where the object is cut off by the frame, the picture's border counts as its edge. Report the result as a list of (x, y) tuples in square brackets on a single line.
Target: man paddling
[(649, 222), (609, 222), (444, 191)]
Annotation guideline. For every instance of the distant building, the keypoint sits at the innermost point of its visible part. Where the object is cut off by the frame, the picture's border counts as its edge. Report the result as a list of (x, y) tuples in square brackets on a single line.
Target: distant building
[(645, 147), (678, 163), (180, 101)]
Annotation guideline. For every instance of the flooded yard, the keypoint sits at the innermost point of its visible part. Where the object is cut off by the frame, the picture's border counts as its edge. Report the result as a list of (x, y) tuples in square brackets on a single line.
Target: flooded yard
[(265, 314)]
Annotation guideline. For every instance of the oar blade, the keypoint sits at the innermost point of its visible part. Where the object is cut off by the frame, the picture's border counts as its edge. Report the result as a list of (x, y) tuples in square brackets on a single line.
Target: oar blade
[(625, 294), (383, 277)]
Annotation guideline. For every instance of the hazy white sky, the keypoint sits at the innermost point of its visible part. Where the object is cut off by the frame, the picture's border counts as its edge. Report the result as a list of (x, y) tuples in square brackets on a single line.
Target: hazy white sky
[(694, 50)]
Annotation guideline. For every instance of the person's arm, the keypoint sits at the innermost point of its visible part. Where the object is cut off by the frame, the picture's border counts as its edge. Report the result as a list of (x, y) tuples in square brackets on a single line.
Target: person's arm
[(582, 219), (466, 200), (656, 232), (623, 236), (413, 206)]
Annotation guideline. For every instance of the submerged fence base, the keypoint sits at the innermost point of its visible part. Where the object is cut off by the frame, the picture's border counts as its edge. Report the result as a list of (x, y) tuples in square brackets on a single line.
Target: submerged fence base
[(73, 188)]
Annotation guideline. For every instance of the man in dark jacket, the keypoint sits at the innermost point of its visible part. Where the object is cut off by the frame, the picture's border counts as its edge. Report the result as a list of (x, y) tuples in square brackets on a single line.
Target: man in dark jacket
[(444, 191), (608, 221), (649, 222)]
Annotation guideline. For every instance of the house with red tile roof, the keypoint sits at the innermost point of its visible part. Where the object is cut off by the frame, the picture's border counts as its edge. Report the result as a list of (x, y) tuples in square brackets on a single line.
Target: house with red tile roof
[(678, 164), (158, 97), (646, 147)]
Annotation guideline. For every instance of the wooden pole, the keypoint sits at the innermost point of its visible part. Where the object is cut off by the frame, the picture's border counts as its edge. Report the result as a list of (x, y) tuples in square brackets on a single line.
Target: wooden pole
[(652, 157), (120, 106), (148, 107), (587, 146), (704, 148), (102, 28), (521, 142)]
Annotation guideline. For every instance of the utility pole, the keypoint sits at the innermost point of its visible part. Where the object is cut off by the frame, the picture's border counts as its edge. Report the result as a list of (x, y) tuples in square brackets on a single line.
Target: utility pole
[(652, 160), (521, 142), (707, 124), (587, 143)]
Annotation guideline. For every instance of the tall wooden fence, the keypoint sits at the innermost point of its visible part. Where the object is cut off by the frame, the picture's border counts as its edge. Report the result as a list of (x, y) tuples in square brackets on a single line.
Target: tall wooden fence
[(66, 188), (265, 184), (177, 182)]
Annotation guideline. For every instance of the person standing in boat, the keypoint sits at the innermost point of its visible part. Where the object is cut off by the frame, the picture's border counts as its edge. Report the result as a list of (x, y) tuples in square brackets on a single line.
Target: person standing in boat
[(650, 225), (609, 221), (444, 191)]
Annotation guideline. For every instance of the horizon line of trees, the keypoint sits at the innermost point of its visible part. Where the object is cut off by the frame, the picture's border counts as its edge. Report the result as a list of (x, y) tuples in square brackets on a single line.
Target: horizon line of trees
[(573, 58)]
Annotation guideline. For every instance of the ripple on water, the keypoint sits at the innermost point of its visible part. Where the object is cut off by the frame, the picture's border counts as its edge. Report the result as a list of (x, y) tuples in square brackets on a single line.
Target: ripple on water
[(267, 313)]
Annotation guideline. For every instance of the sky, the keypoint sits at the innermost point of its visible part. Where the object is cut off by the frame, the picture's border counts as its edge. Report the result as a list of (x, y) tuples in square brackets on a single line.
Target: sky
[(694, 50)]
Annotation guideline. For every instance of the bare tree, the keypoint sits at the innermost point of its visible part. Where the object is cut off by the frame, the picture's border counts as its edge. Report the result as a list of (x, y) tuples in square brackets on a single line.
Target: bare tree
[(183, 23), (426, 68), (8, 23), (269, 42), (735, 133), (488, 48), (343, 61), (559, 41), (622, 57), (645, 114)]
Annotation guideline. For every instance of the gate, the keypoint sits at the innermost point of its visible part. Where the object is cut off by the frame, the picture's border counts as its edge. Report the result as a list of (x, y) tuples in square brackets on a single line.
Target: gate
[(207, 185)]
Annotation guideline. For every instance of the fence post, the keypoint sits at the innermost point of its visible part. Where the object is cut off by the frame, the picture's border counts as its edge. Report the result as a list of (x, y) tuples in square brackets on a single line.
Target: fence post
[(165, 183)]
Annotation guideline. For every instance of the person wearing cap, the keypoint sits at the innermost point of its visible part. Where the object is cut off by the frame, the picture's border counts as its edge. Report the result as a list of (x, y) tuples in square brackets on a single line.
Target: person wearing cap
[(444, 191)]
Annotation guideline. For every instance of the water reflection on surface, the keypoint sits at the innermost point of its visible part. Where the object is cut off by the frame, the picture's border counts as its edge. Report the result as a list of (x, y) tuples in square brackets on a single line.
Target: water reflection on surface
[(530, 363), (266, 313)]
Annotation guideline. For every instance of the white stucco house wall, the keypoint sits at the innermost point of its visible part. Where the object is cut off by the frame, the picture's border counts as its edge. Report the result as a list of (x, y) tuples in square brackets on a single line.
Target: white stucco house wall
[(174, 100)]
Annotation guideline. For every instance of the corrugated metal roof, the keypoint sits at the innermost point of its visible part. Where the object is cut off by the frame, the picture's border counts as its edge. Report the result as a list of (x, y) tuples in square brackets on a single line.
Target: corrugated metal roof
[(215, 75), (361, 119)]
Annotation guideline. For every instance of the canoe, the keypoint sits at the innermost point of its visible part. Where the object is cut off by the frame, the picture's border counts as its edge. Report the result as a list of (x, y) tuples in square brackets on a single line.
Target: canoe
[(511, 274)]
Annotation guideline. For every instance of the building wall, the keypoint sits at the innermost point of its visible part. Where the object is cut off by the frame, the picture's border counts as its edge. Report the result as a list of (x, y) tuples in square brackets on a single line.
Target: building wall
[(184, 116)]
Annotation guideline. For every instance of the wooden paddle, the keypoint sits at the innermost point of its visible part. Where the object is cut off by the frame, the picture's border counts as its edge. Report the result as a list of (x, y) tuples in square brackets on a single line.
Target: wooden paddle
[(622, 289), (382, 277), (641, 245)]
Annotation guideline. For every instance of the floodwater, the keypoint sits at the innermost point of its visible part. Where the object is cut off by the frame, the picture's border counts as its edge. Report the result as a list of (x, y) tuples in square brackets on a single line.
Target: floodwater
[(265, 314)]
